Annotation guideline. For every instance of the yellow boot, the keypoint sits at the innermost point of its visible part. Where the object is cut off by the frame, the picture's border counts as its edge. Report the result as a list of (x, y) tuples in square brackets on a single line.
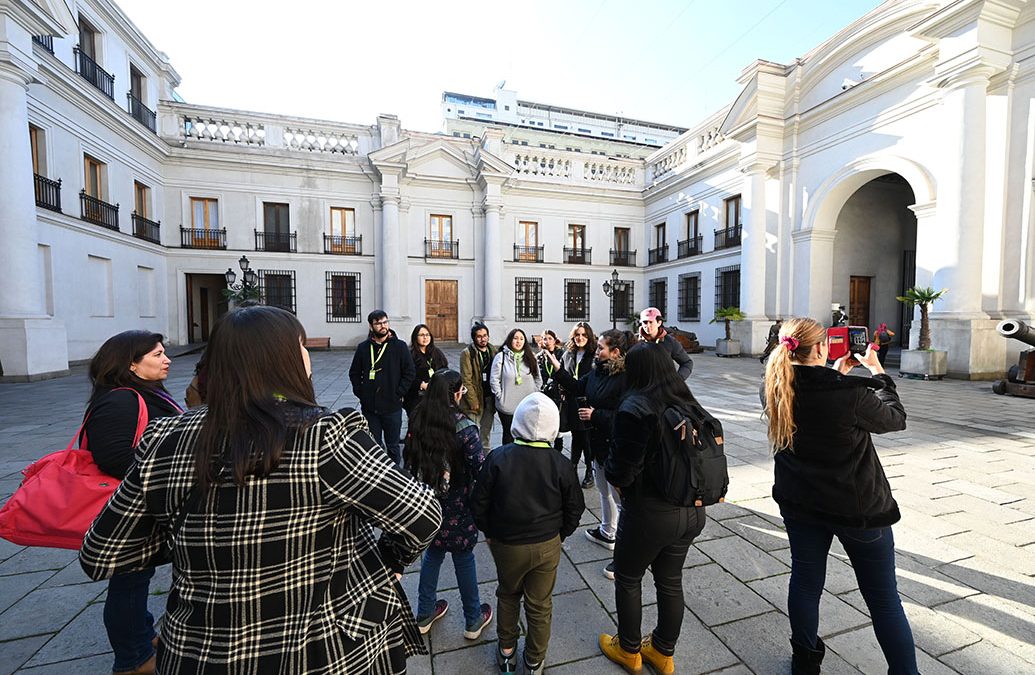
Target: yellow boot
[(613, 650), (664, 665)]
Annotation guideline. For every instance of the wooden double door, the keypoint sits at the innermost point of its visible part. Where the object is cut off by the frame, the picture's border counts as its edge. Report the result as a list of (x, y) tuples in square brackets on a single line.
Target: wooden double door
[(441, 308)]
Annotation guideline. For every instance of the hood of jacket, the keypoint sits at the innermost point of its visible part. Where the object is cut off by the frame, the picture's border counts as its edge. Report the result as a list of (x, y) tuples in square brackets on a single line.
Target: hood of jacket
[(612, 366), (536, 419), (660, 337)]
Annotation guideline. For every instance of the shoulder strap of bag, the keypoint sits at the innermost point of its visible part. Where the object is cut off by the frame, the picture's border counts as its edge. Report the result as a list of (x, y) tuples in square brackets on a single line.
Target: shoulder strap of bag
[(142, 420)]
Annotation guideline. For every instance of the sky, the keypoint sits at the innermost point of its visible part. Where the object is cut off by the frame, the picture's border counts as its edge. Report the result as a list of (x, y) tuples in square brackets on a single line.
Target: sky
[(667, 61)]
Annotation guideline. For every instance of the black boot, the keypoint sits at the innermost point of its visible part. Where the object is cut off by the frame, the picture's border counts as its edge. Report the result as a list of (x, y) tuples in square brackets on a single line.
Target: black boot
[(805, 660)]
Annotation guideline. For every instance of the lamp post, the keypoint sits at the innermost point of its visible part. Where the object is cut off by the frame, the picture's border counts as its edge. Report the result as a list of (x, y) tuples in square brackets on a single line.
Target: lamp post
[(612, 288), (248, 288)]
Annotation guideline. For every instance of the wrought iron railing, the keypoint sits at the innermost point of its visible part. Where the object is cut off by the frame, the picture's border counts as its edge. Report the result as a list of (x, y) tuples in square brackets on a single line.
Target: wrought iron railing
[(141, 113), (94, 74), (338, 245), (45, 41), (441, 248), (48, 193), (98, 212), (280, 242), (578, 256), (623, 258), (690, 247), (200, 237), (657, 255), (528, 253), (727, 237), (146, 229)]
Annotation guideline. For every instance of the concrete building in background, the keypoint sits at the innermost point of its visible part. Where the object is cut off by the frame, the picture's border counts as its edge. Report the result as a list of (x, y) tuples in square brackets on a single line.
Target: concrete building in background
[(896, 152)]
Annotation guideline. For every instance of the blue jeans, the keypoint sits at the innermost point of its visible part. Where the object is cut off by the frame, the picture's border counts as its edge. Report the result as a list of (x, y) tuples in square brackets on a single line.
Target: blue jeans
[(129, 624), (466, 579), (872, 552), (385, 428)]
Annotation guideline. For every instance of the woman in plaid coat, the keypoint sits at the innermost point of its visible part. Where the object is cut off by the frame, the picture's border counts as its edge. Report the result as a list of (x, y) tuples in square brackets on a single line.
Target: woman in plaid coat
[(267, 507)]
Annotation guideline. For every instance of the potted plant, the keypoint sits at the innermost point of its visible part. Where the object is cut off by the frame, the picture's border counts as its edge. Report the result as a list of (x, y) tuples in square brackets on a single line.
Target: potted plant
[(727, 346), (923, 361)]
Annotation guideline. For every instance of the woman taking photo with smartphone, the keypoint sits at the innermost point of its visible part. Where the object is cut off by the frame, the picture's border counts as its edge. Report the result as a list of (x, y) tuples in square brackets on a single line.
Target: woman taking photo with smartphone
[(829, 482)]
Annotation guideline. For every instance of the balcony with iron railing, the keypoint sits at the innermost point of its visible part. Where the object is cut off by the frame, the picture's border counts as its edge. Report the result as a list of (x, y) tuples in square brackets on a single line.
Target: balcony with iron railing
[(578, 256), (48, 193), (98, 212), (146, 229), (200, 237), (339, 245), (277, 242), (528, 253), (442, 248), (141, 113), (657, 255), (623, 258), (727, 237), (94, 74), (690, 247), (45, 41)]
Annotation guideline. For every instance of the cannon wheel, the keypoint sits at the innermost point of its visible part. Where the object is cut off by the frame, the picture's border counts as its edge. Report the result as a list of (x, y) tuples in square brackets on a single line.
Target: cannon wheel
[(999, 387), (1013, 374)]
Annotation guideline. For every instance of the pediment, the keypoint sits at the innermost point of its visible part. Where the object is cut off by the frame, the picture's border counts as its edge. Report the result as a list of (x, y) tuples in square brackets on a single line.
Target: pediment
[(434, 159)]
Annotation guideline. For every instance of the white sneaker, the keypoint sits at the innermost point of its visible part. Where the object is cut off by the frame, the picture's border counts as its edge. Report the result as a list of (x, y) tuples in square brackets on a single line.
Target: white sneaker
[(598, 537)]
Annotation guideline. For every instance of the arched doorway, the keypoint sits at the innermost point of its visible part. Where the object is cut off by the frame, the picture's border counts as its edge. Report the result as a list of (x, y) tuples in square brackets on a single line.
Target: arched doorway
[(874, 254)]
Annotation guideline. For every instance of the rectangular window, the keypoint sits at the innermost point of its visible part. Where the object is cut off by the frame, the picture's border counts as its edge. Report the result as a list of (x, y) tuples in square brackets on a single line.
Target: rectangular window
[(141, 199), (275, 219), (441, 228), (136, 84), (576, 299), (585, 131), (37, 147), (690, 297), (528, 299), (577, 236), (87, 38), (343, 222), (727, 287), (93, 177), (659, 235), (343, 297), (621, 239), (277, 288), (204, 213), (659, 295), (692, 225), (732, 212), (623, 301)]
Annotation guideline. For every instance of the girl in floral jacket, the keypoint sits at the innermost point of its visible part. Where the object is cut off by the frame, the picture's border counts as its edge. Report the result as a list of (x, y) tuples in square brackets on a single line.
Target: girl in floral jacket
[(444, 449)]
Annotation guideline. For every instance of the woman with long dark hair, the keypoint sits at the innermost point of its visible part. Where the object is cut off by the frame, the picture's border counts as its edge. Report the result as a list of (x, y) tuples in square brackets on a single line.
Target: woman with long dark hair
[(427, 358), (577, 361), (652, 532), (550, 343), (597, 397), (829, 482), (129, 369), (267, 505), (514, 375), (444, 450)]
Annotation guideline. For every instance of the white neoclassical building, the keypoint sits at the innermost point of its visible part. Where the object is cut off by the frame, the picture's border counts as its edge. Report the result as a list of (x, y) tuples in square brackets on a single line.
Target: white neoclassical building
[(899, 151)]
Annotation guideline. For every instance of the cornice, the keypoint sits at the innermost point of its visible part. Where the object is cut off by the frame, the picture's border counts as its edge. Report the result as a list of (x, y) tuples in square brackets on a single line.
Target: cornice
[(134, 39)]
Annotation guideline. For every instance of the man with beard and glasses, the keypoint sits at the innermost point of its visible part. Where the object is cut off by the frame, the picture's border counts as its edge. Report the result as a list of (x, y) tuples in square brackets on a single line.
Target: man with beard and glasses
[(381, 373)]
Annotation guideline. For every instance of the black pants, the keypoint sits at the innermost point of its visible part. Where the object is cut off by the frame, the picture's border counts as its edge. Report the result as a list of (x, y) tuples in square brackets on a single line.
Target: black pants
[(505, 420), (580, 448), (652, 534)]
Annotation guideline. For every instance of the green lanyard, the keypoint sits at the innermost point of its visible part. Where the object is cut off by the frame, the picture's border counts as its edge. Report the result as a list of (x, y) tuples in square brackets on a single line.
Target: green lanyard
[(373, 361), (517, 367), (548, 366), (578, 362), (533, 444)]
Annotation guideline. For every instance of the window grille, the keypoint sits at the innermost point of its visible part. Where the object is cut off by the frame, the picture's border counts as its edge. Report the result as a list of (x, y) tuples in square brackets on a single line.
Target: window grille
[(277, 288), (528, 299), (576, 299), (343, 299)]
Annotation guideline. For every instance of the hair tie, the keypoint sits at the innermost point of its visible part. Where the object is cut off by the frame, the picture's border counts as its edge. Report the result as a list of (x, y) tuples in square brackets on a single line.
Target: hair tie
[(791, 343)]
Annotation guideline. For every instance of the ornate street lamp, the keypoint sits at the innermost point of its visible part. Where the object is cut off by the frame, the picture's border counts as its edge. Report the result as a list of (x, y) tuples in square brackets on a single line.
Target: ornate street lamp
[(611, 288), (248, 289)]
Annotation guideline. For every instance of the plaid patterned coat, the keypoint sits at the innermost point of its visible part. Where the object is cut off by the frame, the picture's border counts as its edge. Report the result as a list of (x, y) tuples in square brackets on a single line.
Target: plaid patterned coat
[(283, 574)]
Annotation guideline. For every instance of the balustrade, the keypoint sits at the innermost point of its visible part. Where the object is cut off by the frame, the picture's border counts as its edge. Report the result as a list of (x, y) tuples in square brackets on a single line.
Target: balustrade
[(542, 165), (223, 131), (321, 141), (338, 245), (48, 193), (200, 237), (98, 212), (94, 74), (146, 229)]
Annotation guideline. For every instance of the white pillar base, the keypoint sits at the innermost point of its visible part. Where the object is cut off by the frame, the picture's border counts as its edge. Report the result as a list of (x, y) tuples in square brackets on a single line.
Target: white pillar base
[(752, 334), (32, 349), (976, 350)]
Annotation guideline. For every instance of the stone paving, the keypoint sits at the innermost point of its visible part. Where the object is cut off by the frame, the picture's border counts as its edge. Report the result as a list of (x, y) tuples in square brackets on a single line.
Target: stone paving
[(962, 472)]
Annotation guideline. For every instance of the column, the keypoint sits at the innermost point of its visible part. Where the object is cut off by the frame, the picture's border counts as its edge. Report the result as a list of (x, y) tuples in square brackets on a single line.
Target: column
[(492, 267), (813, 273), (391, 251), (752, 248), (32, 345)]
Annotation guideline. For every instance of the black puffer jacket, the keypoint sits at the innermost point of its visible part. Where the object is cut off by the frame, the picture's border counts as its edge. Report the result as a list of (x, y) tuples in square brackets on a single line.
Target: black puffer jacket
[(833, 472), (603, 389)]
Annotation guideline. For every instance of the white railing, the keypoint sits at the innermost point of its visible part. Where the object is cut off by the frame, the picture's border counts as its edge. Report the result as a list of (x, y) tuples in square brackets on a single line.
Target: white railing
[(541, 164), (572, 168), (223, 130), (609, 172), (317, 140), (690, 148)]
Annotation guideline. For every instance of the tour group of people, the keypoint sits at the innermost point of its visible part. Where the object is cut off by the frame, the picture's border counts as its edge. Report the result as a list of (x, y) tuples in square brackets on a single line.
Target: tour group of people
[(289, 525)]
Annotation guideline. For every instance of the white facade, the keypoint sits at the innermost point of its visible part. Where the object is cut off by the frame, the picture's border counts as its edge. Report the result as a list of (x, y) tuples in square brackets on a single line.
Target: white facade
[(899, 149)]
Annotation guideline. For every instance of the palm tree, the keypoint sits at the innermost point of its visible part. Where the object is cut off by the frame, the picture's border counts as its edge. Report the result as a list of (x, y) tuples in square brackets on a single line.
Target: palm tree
[(727, 314), (922, 297)]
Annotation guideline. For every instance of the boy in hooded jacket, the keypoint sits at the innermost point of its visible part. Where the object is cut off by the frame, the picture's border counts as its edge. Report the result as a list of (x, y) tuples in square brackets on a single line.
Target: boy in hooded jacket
[(527, 499)]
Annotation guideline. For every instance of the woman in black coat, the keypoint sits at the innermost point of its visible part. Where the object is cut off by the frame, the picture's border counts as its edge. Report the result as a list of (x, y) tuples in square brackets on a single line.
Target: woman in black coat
[(550, 344), (830, 482), (128, 368), (427, 358), (597, 397), (577, 361)]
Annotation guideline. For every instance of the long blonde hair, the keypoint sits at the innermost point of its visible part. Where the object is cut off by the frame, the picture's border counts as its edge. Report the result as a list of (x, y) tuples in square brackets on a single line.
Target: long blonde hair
[(798, 337)]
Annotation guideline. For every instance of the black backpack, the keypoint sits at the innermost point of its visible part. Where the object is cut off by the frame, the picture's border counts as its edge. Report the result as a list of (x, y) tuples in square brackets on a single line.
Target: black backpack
[(689, 467)]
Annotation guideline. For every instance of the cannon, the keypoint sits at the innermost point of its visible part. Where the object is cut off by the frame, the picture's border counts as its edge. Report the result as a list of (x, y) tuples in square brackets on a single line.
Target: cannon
[(1020, 379)]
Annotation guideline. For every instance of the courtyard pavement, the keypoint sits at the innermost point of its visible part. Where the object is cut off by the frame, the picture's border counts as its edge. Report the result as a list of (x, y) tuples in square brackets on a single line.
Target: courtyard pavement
[(963, 473)]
